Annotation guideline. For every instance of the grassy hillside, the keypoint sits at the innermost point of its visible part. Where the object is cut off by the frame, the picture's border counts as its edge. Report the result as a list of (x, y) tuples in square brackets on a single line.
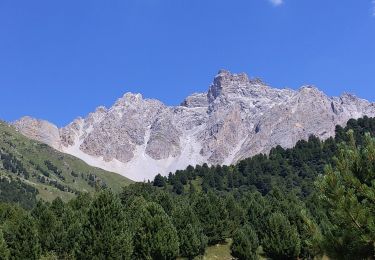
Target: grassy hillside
[(52, 173)]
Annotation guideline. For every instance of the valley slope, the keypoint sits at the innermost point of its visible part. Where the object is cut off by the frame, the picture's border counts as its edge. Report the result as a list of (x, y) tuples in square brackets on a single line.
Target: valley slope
[(30, 167)]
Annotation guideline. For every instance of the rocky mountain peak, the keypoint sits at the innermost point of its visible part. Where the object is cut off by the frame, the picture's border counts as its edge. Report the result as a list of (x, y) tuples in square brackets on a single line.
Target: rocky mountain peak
[(129, 98), (309, 91), (232, 85), (238, 117)]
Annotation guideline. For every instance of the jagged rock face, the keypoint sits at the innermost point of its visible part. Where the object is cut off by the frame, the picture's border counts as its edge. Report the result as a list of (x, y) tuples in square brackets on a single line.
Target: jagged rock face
[(238, 117), (115, 133), (164, 139)]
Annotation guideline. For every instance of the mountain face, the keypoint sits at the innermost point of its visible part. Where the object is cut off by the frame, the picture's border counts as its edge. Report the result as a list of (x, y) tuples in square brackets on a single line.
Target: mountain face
[(237, 118)]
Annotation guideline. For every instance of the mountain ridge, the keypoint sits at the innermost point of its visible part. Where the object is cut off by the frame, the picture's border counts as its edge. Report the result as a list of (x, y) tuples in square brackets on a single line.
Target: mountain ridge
[(236, 118)]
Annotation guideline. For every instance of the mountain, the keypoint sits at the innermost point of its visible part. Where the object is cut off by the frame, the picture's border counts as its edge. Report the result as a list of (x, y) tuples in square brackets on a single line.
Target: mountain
[(29, 168), (236, 118)]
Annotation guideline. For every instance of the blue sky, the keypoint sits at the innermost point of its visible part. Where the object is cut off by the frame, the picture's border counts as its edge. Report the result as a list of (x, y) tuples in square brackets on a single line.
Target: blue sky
[(61, 59)]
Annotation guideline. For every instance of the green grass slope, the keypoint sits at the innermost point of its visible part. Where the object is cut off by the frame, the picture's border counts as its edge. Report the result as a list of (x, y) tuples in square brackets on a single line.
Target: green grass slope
[(52, 173)]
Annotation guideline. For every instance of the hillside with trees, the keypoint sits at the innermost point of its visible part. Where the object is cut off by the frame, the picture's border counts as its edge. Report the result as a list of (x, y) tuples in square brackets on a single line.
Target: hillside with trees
[(30, 170), (316, 199)]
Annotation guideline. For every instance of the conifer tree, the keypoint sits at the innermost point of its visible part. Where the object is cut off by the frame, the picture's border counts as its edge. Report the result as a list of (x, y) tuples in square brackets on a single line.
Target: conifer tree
[(155, 237), (245, 243), (348, 192), (281, 238), (105, 233), (159, 181), (191, 237), (212, 213), (22, 238)]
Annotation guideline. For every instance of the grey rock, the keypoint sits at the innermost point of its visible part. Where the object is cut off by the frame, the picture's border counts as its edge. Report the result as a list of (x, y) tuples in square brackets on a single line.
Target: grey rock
[(196, 100), (39, 130), (237, 118)]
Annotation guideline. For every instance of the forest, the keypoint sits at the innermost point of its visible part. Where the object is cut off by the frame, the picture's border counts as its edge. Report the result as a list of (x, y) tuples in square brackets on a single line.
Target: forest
[(316, 199)]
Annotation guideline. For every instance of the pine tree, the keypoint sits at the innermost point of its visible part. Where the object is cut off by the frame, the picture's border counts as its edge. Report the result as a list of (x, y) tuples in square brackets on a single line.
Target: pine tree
[(50, 229), (191, 237), (245, 244), (178, 187), (164, 199), (159, 181), (281, 238), (211, 212), (22, 238), (348, 192), (236, 214), (105, 233), (155, 237)]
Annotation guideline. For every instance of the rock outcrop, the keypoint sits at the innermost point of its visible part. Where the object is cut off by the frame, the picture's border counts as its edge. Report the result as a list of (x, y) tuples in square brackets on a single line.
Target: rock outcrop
[(238, 117), (40, 130)]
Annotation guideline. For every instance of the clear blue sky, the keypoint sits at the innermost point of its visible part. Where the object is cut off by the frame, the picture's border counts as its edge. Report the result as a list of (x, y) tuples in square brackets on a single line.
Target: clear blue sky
[(61, 59)]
